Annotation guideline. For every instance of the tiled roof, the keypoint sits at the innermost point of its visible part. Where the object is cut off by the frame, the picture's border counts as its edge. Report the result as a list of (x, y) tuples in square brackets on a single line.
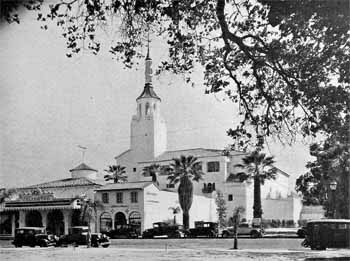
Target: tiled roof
[(198, 152), (82, 166), (126, 185), (70, 182), (148, 92)]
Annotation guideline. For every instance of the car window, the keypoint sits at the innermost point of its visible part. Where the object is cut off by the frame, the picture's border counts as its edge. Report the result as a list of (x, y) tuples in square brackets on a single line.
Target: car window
[(244, 225)]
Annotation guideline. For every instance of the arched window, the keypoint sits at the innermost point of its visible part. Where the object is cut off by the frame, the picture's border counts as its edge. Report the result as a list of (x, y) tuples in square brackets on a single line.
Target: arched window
[(209, 187), (140, 110), (147, 109), (105, 222), (213, 186)]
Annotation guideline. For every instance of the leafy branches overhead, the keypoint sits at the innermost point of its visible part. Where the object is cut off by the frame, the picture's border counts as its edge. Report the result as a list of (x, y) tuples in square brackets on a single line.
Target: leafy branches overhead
[(285, 63)]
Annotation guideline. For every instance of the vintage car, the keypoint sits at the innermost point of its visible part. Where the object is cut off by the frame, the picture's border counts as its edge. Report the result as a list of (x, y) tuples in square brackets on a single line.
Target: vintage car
[(124, 231), (79, 235), (244, 229), (33, 236), (164, 229), (204, 229), (327, 233)]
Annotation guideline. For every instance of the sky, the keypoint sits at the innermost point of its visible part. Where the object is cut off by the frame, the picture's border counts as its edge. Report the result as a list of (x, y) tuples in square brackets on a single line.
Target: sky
[(51, 104)]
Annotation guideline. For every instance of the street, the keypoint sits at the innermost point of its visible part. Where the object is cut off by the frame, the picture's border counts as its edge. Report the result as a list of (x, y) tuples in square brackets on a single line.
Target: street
[(178, 249)]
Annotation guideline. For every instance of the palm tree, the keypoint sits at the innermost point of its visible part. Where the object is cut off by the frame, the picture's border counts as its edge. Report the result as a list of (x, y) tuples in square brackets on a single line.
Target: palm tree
[(153, 171), (236, 220), (175, 210), (185, 170), (116, 173), (258, 167)]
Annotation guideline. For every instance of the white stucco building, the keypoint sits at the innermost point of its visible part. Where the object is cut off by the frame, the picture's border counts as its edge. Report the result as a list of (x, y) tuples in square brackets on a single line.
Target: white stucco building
[(143, 203), (148, 145)]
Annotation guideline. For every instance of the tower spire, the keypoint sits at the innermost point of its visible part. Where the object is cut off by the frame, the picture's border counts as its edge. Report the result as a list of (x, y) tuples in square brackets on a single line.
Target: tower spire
[(148, 64)]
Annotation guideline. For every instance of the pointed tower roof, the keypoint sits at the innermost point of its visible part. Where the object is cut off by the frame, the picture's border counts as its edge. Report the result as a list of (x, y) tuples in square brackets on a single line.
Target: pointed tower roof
[(148, 91), (82, 166)]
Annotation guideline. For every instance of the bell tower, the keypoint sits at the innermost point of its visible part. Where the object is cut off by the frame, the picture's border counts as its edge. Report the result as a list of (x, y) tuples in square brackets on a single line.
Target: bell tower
[(148, 129)]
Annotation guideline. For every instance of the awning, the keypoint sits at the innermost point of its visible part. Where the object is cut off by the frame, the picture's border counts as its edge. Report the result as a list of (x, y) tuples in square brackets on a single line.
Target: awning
[(41, 205)]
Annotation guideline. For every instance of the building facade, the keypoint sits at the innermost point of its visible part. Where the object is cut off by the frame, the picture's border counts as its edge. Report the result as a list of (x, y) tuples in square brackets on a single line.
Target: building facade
[(148, 146), (143, 203), (54, 205)]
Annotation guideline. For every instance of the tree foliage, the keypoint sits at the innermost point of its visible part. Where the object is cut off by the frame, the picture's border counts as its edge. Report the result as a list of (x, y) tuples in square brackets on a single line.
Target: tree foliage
[(184, 170), (285, 63), (116, 173), (332, 164), (259, 167), (154, 170)]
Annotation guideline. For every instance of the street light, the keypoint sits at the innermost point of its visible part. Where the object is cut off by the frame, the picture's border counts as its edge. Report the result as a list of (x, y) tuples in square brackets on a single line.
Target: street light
[(333, 187)]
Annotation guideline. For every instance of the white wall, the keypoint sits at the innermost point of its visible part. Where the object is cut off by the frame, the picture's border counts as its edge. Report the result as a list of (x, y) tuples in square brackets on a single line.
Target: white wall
[(287, 208)]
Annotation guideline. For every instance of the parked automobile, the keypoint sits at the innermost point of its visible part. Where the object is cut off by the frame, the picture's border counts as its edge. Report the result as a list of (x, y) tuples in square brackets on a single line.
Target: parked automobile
[(99, 239), (206, 229), (301, 232), (33, 236), (124, 231), (323, 233), (164, 229), (244, 229), (79, 236)]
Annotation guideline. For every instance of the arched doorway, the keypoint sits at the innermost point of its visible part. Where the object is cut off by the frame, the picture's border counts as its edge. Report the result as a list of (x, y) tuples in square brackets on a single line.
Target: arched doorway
[(55, 222), (105, 222), (33, 219), (119, 220), (135, 221)]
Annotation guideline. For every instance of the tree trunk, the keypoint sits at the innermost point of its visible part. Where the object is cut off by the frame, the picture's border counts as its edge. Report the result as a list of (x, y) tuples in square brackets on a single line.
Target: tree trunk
[(186, 219), (185, 192), (235, 242), (257, 213), (174, 219)]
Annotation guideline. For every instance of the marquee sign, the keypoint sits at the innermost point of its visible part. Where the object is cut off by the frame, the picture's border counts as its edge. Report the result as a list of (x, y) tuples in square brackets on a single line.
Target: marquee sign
[(36, 195)]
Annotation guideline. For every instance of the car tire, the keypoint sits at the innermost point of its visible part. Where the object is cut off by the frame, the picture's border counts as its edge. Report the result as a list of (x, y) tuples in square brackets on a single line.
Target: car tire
[(43, 244), (225, 235), (105, 246), (254, 234)]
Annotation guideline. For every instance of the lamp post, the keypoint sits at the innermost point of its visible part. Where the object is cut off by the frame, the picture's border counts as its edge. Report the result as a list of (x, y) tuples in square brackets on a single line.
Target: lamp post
[(333, 187)]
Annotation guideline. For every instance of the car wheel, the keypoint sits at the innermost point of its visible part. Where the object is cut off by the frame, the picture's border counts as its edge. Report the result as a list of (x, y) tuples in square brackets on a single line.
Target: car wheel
[(254, 234), (105, 246), (43, 244), (225, 234)]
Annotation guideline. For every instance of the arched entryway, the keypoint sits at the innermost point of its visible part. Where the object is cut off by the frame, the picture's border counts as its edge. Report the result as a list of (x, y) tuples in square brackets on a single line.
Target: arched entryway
[(105, 222), (33, 219), (135, 220), (119, 220), (55, 222)]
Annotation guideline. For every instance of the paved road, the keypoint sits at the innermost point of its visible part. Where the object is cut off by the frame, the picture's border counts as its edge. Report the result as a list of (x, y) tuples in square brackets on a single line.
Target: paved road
[(264, 249)]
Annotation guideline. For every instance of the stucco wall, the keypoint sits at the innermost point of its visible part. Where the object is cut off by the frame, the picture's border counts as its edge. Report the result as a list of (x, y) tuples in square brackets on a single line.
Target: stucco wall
[(288, 208)]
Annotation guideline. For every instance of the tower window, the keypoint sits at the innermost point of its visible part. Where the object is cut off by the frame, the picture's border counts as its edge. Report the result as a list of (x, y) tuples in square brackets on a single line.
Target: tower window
[(140, 110), (134, 169), (147, 109)]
